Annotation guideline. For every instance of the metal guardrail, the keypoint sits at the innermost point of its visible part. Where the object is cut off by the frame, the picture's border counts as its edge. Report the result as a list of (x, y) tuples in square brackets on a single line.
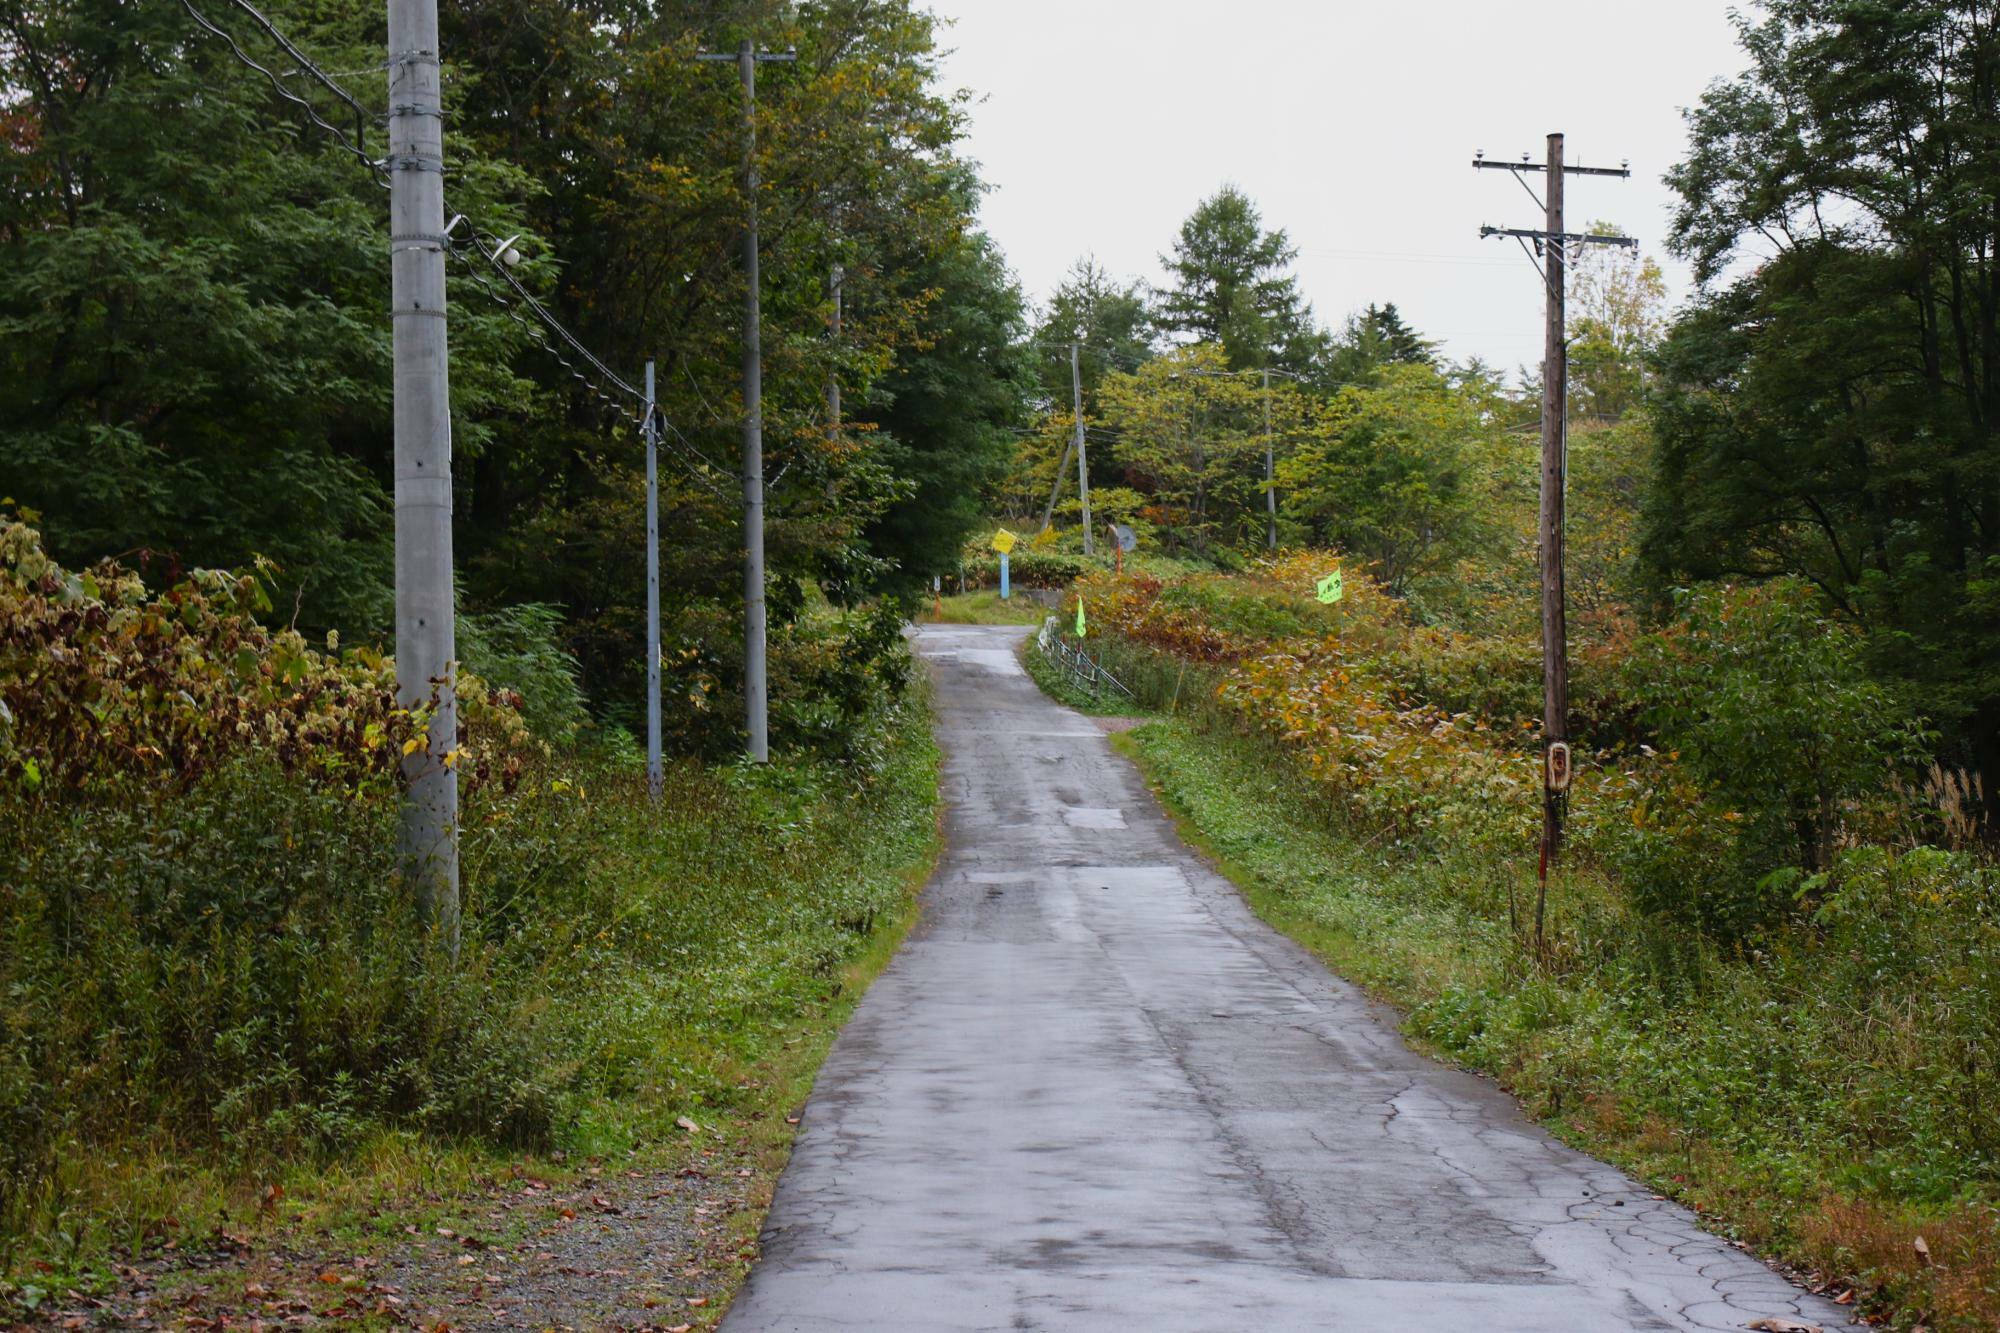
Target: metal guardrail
[(1083, 671)]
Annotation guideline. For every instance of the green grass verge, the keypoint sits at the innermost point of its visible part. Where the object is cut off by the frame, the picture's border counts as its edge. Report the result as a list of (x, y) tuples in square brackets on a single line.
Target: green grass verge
[(1717, 1080), (985, 607), (694, 958), (1056, 683)]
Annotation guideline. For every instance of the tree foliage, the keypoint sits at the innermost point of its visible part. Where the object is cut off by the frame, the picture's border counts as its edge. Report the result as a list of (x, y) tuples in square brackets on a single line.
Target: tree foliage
[(1229, 285), (195, 357), (1191, 434), (1373, 339), (1388, 472), (947, 416), (1617, 316), (192, 356), (1832, 412)]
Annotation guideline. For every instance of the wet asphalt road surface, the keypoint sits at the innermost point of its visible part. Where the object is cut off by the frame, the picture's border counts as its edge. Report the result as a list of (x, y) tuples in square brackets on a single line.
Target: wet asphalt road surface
[(1094, 1092)]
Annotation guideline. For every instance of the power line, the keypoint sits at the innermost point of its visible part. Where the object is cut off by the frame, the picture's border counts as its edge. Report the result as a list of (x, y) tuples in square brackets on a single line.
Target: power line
[(541, 338), (698, 466), (357, 146), (555, 325), (1400, 257), (691, 460)]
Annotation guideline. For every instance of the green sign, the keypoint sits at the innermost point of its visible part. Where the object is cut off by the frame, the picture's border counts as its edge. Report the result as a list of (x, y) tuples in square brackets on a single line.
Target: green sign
[(1079, 617), (1330, 589)]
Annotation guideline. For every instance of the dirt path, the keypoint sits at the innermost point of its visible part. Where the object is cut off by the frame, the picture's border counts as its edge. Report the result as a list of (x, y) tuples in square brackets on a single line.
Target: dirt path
[(607, 1246)]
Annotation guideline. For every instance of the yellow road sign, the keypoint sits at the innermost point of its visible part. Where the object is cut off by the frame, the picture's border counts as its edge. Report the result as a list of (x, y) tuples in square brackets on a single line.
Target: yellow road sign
[(1003, 541)]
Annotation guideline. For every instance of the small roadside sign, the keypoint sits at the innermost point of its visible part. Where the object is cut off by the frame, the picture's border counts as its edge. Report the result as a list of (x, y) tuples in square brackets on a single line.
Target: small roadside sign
[(1330, 588), (1003, 541)]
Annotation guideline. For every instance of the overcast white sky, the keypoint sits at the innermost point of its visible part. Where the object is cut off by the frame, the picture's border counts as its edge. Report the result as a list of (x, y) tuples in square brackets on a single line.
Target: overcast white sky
[(1101, 123)]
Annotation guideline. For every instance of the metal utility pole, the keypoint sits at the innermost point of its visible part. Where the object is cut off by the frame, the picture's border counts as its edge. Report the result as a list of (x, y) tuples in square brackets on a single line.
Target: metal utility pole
[(1270, 468), (655, 773), (1082, 460), (836, 281), (426, 643), (1270, 457), (1551, 244), (756, 688)]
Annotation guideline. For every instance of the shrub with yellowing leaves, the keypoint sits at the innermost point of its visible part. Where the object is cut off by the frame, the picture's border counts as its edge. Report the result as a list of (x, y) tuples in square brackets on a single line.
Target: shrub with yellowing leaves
[(102, 678)]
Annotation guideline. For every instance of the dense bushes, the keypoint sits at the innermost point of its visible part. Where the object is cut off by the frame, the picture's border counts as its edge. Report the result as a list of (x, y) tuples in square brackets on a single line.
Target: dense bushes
[(102, 679), (229, 969), (1757, 986), (207, 963), (1784, 739), (829, 669), (1028, 566), (1741, 744)]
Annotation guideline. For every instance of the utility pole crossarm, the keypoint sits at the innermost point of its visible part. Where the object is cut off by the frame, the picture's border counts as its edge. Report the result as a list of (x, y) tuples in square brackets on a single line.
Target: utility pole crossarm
[(1567, 170), (1567, 238)]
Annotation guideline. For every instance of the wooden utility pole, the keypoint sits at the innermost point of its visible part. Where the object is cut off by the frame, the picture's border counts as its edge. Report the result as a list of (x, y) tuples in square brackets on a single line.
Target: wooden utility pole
[(1551, 246), (1555, 441), (426, 626)]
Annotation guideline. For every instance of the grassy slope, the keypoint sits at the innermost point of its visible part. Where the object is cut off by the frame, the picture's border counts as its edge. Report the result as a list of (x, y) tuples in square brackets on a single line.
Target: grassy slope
[(985, 607), (1428, 935), (730, 1027)]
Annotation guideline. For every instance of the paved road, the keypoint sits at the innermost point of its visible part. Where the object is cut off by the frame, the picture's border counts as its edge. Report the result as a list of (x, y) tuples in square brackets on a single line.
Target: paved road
[(1094, 1092)]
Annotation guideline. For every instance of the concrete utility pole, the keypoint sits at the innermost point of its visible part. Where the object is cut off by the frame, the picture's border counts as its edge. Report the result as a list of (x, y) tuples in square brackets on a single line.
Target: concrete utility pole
[(1552, 244), (1270, 468), (756, 688), (426, 643), (1082, 459), (655, 773), (836, 282)]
